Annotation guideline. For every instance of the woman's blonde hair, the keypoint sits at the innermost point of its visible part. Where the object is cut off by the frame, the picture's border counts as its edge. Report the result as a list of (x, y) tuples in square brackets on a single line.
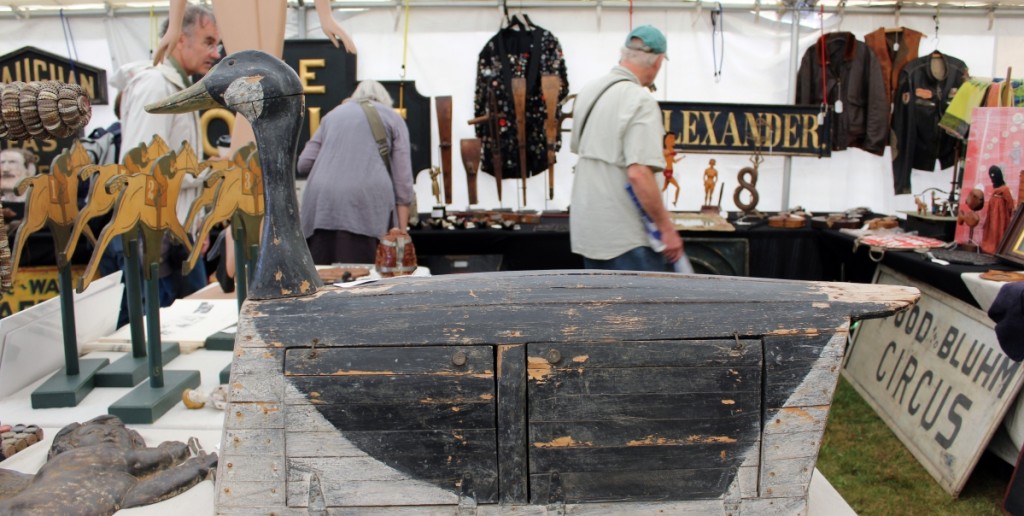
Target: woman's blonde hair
[(372, 90)]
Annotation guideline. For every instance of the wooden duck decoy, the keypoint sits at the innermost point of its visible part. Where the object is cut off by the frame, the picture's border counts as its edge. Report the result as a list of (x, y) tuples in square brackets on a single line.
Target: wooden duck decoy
[(568, 391), (269, 94)]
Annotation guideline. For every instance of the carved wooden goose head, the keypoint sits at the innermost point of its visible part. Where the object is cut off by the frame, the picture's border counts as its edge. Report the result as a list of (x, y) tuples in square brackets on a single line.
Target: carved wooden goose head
[(267, 92)]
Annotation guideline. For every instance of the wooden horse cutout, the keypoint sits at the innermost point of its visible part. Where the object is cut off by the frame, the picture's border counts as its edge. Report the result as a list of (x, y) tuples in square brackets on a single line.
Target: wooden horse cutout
[(52, 201), (149, 199), (231, 188), (100, 201)]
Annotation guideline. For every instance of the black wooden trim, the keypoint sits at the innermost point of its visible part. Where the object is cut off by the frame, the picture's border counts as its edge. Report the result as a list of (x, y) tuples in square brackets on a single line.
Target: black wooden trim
[(512, 449)]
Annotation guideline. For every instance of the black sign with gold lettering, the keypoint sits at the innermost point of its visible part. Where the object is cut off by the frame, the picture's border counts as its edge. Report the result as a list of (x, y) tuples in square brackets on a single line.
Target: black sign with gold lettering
[(742, 128), (32, 64)]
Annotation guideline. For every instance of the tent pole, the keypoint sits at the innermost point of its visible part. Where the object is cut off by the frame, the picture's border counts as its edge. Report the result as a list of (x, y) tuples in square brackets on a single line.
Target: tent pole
[(794, 40)]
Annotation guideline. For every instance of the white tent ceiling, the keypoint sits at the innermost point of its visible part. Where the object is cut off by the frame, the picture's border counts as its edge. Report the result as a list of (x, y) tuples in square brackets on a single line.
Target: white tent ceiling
[(29, 8)]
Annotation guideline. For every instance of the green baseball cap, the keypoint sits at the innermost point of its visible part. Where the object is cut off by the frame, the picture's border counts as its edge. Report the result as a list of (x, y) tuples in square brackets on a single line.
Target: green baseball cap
[(652, 38)]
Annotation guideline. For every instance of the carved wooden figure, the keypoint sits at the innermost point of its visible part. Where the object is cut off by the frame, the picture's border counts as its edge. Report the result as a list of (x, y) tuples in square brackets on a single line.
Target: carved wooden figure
[(100, 201), (52, 201), (232, 186), (149, 199), (101, 467)]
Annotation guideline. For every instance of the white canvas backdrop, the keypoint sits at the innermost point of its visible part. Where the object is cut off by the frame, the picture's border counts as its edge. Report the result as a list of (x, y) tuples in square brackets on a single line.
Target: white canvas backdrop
[(442, 54)]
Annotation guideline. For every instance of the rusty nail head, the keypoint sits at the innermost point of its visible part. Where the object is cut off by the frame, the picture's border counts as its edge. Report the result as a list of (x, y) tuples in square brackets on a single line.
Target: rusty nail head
[(459, 358), (554, 356)]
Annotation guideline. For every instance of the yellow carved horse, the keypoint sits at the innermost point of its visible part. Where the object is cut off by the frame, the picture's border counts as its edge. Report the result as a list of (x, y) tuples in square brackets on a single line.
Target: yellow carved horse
[(99, 200), (238, 186), (149, 199), (52, 200)]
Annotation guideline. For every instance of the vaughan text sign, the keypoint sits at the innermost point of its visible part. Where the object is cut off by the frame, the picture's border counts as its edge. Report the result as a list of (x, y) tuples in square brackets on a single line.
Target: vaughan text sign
[(743, 128), (937, 376), (32, 64)]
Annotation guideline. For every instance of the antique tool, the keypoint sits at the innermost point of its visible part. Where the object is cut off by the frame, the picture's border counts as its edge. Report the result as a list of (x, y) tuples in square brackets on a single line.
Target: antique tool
[(493, 119), (471, 160), (443, 105), (519, 99), (549, 86)]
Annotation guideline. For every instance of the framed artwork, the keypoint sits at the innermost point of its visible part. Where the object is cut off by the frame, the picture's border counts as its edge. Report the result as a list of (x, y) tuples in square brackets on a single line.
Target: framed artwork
[(996, 138), (1012, 246)]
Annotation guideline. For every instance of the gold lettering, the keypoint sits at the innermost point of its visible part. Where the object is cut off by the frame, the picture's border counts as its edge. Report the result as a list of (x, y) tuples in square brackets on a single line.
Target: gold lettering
[(38, 69), (792, 122), (31, 145), (88, 84), (209, 149), (49, 145), (56, 73), (5, 76), (305, 75), (753, 130), (732, 131), (810, 137), (774, 127), (666, 116), (314, 120), (688, 131), (709, 124)]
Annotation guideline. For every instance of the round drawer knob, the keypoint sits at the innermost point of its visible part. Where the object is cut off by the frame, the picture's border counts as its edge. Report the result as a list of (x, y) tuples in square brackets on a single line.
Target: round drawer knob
[(459, 358), (554, 356)]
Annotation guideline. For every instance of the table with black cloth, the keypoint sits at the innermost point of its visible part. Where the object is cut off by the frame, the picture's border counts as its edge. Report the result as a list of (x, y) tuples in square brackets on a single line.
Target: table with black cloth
[(772, 252)]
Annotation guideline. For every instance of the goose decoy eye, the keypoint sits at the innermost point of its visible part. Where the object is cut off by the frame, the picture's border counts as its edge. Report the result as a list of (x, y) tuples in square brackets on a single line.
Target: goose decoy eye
[(231, 62)]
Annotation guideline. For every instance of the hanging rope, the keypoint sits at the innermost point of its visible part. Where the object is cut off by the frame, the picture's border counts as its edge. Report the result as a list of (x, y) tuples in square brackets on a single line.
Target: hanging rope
[(405, 53), (631, 15), (69, 41), (718, 27), (821, 57), (153, 31)]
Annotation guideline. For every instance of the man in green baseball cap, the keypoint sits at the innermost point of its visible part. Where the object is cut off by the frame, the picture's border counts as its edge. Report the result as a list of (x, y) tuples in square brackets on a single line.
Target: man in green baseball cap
[(618, 219), (648, 39)]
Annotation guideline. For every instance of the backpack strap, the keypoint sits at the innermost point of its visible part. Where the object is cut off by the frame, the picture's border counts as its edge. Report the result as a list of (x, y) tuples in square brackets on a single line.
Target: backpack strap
[(377, 126)]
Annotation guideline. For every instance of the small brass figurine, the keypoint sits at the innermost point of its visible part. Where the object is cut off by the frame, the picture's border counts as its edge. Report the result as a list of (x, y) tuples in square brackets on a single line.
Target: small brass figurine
[(670, 160), (710, 179)]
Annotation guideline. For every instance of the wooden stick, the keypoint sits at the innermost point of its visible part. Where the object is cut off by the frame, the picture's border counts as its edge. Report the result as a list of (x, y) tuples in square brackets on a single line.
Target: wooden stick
[(519, 98), (549, 86)]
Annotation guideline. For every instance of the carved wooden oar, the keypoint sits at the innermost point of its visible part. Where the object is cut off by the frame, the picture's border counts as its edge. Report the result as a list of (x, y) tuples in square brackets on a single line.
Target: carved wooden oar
[(444, 133), (519, 99), (549, 86), (471, 160), (493, 120)]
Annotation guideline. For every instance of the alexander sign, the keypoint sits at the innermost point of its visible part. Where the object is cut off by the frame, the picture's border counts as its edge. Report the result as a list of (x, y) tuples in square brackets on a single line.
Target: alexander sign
[(937, 376), (31, 64), (743, 128)]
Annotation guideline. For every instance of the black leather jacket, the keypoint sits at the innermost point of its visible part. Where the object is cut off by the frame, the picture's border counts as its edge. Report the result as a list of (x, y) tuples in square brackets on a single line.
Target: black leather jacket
[(853, 76), (921, 100)]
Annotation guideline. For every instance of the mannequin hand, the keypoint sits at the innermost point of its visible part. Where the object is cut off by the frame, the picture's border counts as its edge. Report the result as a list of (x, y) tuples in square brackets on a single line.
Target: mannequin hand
[(164, 46), (335, 32)]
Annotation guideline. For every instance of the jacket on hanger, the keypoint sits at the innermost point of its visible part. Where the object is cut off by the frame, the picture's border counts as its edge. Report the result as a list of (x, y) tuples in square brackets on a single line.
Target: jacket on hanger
[(892, 60), (922, 97), (518, 53), (853, 77)]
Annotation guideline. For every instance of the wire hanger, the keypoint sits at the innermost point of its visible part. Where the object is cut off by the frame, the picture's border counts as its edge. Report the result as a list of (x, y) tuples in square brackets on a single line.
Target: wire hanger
[(936, 18)]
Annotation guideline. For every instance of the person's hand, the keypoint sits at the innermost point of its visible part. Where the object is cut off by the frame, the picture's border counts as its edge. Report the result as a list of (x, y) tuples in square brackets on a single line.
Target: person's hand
[(206, 245), (673, 246), (9, 214)]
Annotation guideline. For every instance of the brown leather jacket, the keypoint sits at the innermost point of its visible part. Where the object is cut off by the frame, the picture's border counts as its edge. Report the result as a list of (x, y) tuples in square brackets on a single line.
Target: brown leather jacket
[(892, 60), (854, 77)]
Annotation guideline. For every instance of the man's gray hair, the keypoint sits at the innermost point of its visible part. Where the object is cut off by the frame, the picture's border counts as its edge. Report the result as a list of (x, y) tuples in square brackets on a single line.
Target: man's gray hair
[(638, 56), (194, 16), (371, 90)]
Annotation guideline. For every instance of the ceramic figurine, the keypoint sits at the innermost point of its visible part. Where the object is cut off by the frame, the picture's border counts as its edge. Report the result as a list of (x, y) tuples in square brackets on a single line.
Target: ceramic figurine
[(710, 179)]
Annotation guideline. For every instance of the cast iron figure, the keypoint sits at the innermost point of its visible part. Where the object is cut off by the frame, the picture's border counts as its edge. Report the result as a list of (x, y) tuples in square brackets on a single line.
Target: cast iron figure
[(101, 467)]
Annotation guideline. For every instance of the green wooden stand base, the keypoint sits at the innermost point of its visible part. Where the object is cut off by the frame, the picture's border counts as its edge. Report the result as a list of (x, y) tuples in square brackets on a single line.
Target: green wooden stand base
[(145, 404), (129, 370), (225, 374), (221, 341), (63, 390)]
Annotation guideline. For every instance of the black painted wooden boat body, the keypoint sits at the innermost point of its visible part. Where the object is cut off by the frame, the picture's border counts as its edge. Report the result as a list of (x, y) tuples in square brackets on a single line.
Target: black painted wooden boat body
[(537, 392)]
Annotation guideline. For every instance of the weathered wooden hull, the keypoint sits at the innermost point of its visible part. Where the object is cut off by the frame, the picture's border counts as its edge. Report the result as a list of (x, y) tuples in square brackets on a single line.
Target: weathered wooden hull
[(537, 392)]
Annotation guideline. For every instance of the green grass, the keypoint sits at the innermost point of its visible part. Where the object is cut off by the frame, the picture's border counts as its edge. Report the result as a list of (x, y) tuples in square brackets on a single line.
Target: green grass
[(876, 474)]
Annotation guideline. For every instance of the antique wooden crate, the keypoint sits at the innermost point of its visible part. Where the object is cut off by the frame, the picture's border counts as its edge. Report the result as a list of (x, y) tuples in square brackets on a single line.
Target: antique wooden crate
[(538, 392)]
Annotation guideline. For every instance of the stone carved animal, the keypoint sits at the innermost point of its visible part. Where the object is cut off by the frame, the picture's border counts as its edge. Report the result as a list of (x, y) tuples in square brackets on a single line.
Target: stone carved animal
[(101, 467)]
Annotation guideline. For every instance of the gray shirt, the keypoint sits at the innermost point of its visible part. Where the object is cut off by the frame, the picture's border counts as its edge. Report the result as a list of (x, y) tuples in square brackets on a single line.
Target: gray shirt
[(624, 128), (349, 188)]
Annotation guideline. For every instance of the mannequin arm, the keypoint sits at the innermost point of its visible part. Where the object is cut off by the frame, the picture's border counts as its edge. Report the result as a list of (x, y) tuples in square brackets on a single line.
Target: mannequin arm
[(331, 27), (170, 38)]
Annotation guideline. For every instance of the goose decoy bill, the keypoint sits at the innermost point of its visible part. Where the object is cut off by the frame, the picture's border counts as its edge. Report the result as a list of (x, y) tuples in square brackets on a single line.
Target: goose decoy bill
[(268, 93)]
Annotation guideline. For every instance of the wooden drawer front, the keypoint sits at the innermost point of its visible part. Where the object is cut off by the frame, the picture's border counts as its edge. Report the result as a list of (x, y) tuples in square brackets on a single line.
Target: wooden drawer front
[(666, 420), (426, 411)]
